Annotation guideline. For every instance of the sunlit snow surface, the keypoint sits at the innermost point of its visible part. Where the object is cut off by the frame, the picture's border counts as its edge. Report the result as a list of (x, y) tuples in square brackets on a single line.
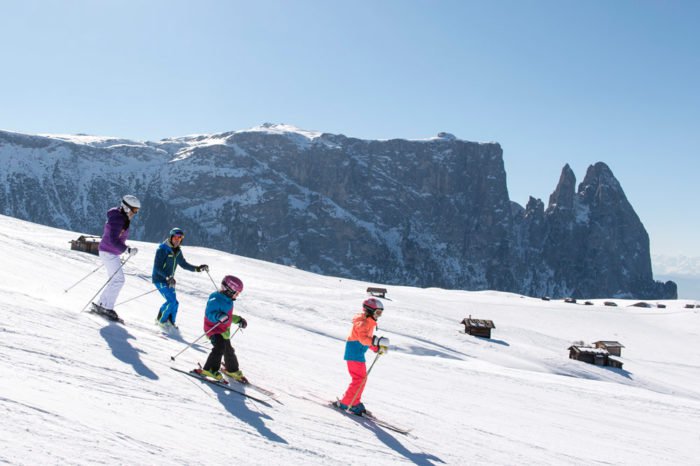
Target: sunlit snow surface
[(75, 389)]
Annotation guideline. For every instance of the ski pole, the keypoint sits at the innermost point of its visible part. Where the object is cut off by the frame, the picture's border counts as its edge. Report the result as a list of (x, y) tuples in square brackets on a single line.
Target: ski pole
[(137, 297), (106, 283), (73, 286), (172, 358), (364, 381), (212, 282)]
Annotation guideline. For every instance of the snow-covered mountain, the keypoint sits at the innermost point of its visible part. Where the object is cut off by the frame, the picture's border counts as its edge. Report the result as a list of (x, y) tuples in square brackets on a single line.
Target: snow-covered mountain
[(683, 270), (677, 265), (75, 389), (431, 212)]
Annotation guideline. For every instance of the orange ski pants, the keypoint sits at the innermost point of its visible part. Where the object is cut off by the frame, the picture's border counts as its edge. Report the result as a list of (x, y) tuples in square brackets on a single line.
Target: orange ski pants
[(358, 372)]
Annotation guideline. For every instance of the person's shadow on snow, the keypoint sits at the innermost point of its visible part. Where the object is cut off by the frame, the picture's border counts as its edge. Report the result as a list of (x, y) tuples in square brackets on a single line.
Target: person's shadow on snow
[(118, 338), (392, 442), (238, 406)]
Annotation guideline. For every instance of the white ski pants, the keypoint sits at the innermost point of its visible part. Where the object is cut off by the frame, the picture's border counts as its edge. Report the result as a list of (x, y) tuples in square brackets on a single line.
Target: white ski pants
[(113, 264)]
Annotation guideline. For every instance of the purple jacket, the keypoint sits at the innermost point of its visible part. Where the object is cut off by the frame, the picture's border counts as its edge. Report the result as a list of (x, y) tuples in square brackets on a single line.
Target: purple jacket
[(116, 232)]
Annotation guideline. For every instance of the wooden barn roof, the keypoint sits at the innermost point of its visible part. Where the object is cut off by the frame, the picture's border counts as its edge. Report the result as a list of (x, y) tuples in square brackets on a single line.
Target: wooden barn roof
[(588, 349), (478, 323), (610, 344)]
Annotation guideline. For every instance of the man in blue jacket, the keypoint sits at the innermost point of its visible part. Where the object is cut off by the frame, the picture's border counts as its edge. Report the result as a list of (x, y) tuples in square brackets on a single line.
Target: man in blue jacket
[(168, 257)]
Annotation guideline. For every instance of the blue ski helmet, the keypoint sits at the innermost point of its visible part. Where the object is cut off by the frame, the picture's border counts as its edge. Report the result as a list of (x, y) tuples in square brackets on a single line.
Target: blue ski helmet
[(176, 232)]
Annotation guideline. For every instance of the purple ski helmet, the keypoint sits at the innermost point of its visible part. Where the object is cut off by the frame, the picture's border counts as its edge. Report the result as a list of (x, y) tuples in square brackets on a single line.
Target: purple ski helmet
[(231, 285)]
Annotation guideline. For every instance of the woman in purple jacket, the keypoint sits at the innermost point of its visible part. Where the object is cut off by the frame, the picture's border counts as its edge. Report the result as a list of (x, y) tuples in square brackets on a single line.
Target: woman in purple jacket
[(112, 245)]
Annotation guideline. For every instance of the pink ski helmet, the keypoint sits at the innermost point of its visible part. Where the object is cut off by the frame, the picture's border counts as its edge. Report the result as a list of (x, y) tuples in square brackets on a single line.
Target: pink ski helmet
[(231, 285), (372, 305)]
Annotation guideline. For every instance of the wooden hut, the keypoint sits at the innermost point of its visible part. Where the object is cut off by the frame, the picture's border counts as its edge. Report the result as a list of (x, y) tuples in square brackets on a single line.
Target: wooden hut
[(84, 243), (613, 347), (612, 362), (378, 292), (478, 327), (590, 355)]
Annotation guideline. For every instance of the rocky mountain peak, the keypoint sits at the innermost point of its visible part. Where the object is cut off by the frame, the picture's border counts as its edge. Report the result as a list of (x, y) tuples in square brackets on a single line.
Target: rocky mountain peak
[(600, 185), (562, 199)]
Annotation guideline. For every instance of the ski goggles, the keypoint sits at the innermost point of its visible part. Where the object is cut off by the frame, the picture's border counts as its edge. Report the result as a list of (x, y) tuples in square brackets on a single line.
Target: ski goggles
[(231, 293)]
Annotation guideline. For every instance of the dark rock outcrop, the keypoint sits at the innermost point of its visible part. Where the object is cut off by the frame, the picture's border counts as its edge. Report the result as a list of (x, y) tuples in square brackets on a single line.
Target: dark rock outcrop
[(424, 213)]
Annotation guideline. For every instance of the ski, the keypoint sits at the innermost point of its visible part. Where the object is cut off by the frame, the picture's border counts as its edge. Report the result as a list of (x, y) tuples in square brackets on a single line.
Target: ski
[(386, 425), (223, 384), (372, 418), (264, 391), (256, 387), (108, 318), (105, 313), (168, 332)]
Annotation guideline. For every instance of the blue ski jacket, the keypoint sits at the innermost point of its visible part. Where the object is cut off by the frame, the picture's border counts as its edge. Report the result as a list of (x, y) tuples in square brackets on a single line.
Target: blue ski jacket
[(166, 262), (219, 305)]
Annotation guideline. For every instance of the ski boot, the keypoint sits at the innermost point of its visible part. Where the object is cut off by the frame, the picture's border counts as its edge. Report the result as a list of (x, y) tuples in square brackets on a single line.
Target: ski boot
[(358, 409), (216, 375), (339, 405), (168, 326), (237, 376), (103, 311)]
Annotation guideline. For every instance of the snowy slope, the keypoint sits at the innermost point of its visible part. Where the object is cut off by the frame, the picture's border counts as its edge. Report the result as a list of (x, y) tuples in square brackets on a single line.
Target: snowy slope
[(77, 390)]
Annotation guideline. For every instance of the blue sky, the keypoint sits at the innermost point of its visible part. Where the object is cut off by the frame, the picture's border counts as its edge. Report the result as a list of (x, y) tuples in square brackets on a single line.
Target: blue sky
[(553, 82)]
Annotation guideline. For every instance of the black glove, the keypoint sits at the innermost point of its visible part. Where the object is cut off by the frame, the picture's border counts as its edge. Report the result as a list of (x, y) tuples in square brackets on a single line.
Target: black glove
[(242, 323), (202, 268), (132, 251), (170, 281)]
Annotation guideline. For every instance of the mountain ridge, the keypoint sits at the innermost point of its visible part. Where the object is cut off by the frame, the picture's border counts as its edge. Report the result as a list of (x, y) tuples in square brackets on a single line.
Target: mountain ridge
[(430, 212)]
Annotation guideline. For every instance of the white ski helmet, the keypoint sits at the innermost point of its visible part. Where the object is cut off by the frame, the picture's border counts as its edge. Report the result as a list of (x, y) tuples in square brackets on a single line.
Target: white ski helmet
[(129, 203)]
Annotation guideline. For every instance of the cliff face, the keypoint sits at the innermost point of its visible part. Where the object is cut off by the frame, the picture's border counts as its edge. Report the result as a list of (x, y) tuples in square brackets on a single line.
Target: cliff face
[(591, 241), (425, 213)]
